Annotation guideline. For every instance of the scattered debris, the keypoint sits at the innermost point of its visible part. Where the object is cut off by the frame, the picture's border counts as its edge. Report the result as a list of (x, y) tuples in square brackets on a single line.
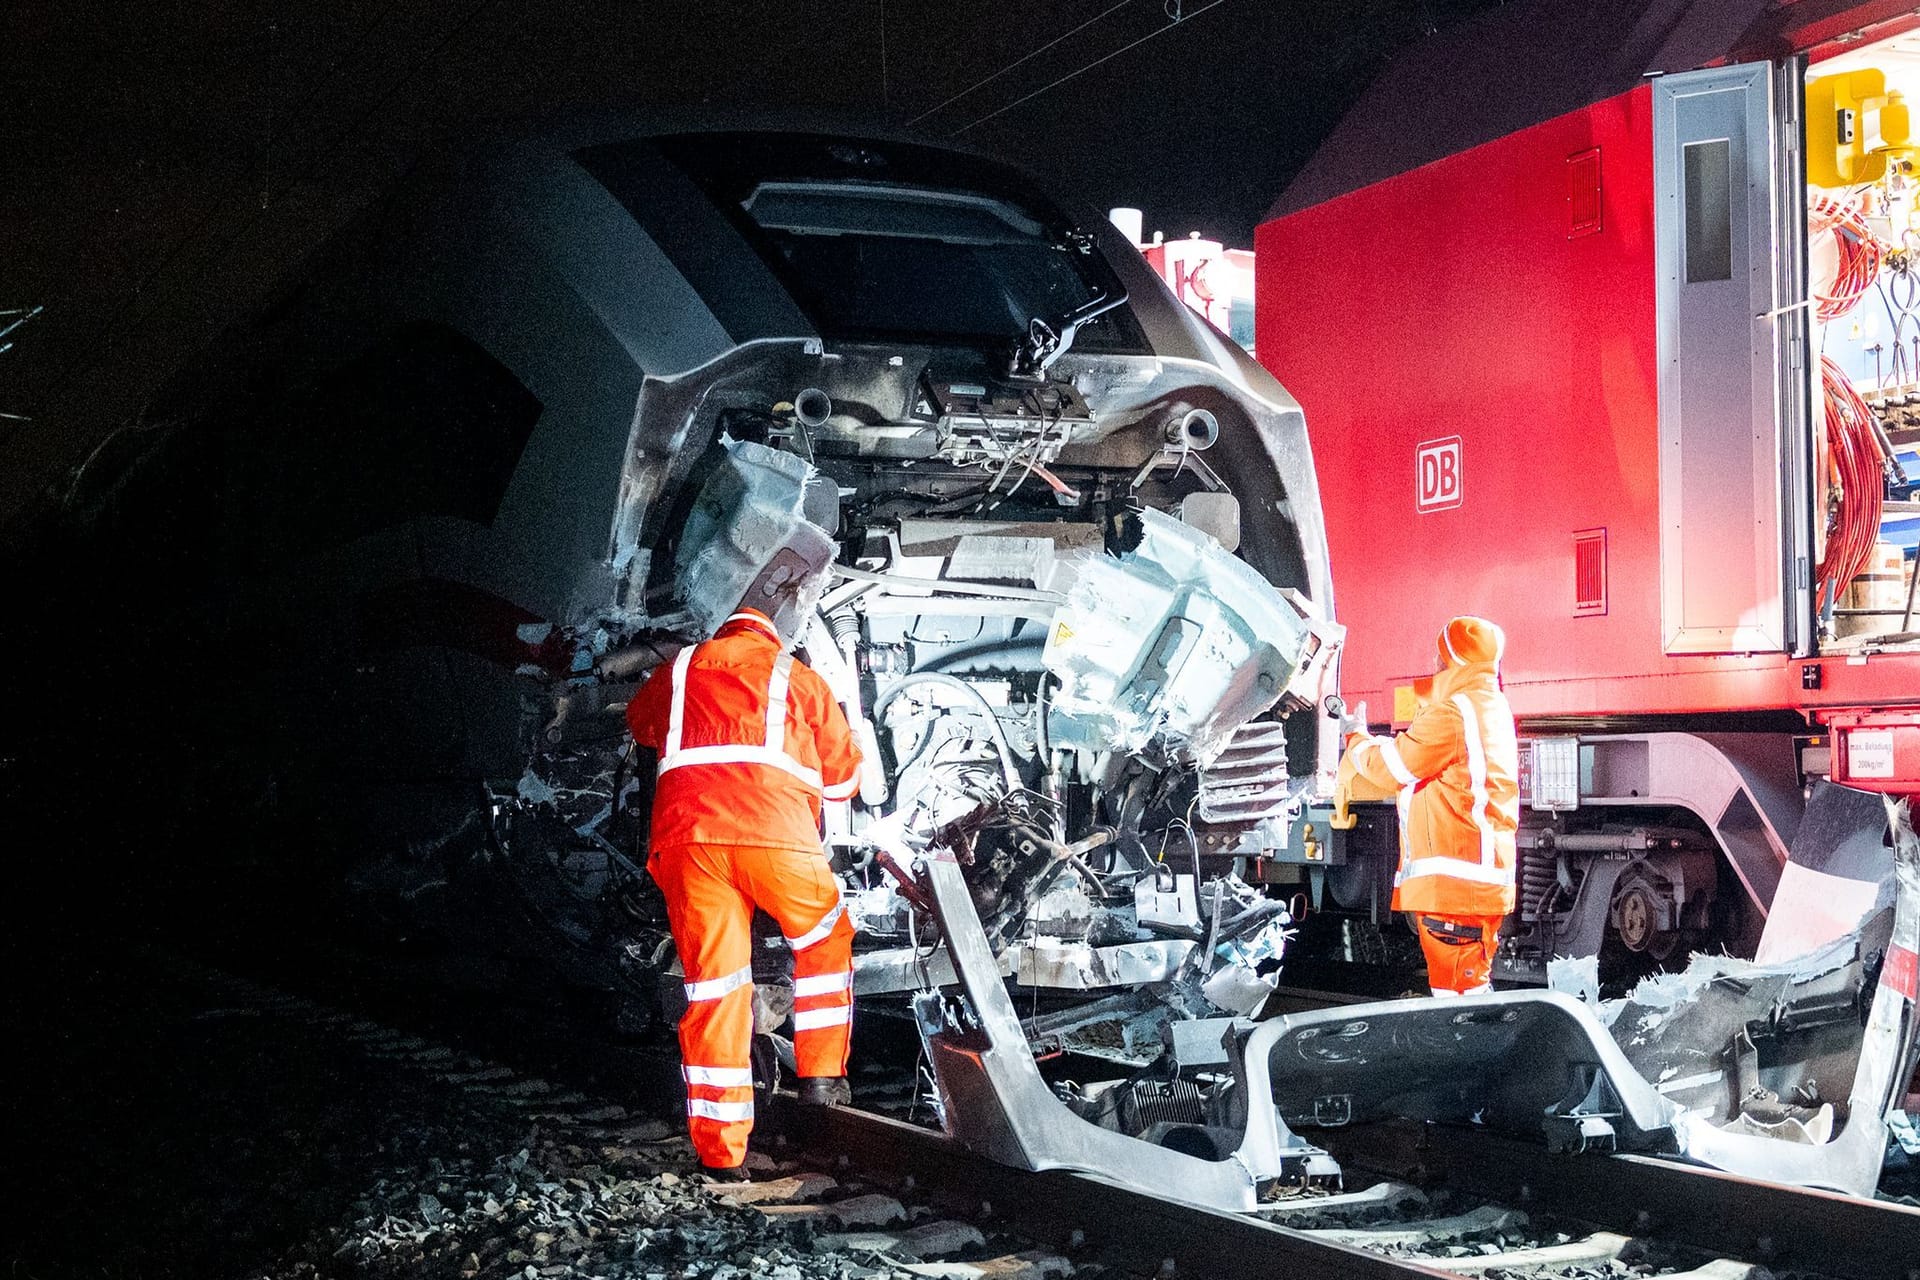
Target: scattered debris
[(1486, 1222), (1793, 1069)]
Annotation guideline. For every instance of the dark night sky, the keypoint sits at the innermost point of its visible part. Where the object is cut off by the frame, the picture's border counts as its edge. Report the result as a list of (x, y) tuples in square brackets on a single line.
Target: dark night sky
[(160, 162)]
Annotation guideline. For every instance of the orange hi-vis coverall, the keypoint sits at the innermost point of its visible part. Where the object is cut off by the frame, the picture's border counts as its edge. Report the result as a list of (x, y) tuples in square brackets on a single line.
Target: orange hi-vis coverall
[(1455, 775), (749, 742)]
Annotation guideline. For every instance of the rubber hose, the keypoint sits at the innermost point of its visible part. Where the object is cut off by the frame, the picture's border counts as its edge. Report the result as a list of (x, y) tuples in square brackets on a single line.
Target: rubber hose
[(957, 685)]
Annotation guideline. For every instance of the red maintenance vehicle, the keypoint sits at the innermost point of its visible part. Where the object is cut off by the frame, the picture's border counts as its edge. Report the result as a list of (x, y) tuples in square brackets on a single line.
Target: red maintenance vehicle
[(1613, 336)]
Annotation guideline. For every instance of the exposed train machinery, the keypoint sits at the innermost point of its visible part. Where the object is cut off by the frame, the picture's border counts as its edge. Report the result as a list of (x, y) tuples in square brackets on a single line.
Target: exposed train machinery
[(401, 552)]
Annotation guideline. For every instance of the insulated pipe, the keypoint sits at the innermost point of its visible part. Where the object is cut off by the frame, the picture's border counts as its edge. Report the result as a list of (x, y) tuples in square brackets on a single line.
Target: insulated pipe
[(835, 666)]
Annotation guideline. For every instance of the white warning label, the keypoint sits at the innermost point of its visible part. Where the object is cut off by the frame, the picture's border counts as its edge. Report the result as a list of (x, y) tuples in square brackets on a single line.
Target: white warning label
[(1870, 753)]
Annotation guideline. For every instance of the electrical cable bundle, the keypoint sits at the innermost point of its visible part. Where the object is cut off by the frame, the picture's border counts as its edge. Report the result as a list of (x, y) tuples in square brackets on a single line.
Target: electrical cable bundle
[(1860, 254), (1857, 476)]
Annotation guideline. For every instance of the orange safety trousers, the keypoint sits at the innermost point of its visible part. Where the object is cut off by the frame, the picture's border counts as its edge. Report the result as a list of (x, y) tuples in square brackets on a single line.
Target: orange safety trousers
[(711, 891), (1459, 951)]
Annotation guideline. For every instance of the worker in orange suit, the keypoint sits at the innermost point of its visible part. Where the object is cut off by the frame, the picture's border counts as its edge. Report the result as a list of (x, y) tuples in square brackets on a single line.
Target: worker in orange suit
[(750, 742), (1454, 774)]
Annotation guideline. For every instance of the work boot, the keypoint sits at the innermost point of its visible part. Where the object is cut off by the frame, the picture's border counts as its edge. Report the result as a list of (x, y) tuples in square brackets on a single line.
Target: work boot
[(733, 1173), (823, 1091)]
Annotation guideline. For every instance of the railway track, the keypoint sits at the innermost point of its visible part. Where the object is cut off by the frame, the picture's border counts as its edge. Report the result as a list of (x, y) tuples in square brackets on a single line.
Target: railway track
[(1427, 1201), (1418, 1200)]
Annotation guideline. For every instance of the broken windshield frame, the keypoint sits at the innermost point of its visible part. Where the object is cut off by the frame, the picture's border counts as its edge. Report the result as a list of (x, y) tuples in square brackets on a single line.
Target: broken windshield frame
[(885, 242)]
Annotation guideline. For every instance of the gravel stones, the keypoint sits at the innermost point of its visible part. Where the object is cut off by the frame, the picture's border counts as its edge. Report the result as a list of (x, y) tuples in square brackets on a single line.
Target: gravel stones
[(540, 1197), (376, 1154), (929, 1240)]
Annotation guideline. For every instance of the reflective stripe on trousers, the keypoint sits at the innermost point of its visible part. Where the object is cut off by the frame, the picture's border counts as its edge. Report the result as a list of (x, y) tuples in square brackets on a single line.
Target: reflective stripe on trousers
[(725, 1112), (822, 990), (719, 1077), (711, 892), (714, 988)]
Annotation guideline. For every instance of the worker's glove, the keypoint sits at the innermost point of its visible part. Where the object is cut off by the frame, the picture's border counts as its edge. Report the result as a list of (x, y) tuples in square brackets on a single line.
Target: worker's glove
[(1355, 720)]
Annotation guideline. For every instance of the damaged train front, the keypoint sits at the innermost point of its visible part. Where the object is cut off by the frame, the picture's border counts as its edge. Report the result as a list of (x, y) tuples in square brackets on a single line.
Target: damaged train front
[(1054, 547)]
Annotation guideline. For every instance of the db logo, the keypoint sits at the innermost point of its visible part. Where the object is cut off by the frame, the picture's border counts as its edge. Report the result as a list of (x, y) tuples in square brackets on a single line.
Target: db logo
[(1436, 474)]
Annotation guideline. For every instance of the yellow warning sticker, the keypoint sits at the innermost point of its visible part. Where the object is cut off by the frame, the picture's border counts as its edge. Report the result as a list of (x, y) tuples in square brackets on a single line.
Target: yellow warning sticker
[(1062, 633)]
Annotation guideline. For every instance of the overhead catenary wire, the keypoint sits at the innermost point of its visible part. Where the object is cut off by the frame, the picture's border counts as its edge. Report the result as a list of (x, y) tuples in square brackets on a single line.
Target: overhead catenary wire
[(1020, 61), (203, 232), (1108, 57)]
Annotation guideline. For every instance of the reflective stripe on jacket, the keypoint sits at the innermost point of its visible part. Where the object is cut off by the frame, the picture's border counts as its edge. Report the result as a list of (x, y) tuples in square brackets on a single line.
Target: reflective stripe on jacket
[(749, 742), (1456, 773)]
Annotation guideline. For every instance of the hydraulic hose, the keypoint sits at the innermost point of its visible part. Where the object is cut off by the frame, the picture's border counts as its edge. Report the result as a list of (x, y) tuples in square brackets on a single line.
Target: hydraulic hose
[(961, 687), (1859, 255), (1857, 470)]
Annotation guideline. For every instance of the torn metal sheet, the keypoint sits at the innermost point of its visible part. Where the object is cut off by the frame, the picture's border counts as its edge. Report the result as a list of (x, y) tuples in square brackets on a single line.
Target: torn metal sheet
[(1245, 969), (996, 1102), (1074, 966), (1533, 1064), (901, 969), (751, 539), (1174, 643), (1837, 874), (1792, 1071)]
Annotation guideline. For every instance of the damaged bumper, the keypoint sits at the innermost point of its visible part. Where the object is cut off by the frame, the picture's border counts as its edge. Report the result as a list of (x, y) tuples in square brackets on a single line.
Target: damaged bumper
[(1673, 1071), (997, 1103)]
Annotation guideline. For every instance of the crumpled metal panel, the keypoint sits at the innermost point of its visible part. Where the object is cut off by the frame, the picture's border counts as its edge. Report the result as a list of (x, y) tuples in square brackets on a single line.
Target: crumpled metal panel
[(1545, 1064), (1533, 1064), (1836, 874), (1175, 643), (749, 530), (995, 1101), (1238, 983), (1076, 966), (1889, 1046)]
